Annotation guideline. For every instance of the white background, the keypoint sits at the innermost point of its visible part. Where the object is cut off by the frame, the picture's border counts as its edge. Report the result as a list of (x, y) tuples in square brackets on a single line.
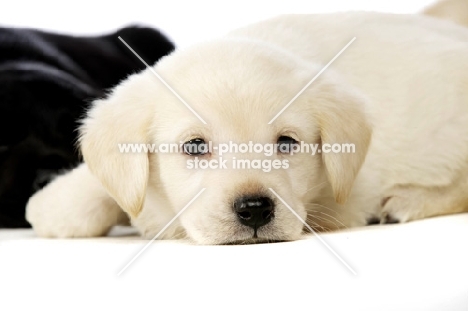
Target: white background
[(185, 22), (412, 267)]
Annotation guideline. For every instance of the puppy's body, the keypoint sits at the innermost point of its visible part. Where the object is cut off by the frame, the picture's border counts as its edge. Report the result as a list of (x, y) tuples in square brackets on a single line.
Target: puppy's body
[(418, 119), (399, 93), (452, 10)]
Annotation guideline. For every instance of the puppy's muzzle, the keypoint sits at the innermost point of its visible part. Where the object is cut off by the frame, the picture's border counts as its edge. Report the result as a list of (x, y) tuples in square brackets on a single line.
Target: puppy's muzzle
[(254, 211)]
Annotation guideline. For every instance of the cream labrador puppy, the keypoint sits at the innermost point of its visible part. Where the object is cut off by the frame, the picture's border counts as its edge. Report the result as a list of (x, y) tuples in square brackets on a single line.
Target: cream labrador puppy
[(398, 93)]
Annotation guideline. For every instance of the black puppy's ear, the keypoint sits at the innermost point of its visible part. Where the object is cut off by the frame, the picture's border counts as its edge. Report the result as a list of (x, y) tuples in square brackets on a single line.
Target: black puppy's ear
[(137, 38)]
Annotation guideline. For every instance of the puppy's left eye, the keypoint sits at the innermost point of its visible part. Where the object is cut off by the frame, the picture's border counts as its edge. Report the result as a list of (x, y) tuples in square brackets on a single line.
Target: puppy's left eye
[(196, 147), (285, 144)]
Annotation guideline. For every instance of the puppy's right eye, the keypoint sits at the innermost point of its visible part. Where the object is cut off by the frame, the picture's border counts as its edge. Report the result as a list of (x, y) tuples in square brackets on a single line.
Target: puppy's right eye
[(285, 144), (196, 147)]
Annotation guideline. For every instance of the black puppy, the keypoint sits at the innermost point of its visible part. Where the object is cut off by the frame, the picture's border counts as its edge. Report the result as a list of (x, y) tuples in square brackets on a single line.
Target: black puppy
[(47, 82)]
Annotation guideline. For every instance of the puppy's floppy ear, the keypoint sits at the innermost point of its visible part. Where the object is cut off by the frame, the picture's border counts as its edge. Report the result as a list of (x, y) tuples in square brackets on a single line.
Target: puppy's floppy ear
[(341, 116), (124, 117)]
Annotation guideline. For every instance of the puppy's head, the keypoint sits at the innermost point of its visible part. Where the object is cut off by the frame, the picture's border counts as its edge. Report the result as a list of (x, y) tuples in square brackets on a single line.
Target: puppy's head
[(237, 87)]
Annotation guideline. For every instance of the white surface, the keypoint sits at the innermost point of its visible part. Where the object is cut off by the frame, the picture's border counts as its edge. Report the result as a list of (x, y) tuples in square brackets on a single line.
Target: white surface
[(416, 266), (184, 21)]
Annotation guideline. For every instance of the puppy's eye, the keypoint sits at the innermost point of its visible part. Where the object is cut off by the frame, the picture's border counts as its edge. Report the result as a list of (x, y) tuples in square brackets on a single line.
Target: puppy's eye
[(196, 147), (285, 144)]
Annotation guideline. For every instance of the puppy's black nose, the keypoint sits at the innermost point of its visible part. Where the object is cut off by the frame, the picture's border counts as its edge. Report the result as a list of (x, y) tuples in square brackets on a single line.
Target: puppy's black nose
[(254, 211)]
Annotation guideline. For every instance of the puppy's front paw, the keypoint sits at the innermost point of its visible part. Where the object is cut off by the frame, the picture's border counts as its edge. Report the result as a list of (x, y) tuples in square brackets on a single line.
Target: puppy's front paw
[(73, 205), (52, 217), (392, 212), (402, 204)]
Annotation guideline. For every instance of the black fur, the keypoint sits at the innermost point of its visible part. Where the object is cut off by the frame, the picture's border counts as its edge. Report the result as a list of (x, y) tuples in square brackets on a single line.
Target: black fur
[(47, 81)]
